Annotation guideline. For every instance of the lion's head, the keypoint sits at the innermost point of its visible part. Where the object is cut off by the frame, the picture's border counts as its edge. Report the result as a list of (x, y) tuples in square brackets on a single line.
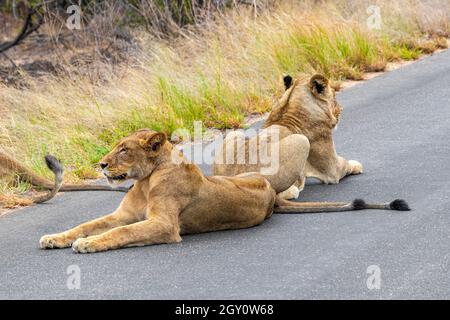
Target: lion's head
[(308, 106), (134, 157)]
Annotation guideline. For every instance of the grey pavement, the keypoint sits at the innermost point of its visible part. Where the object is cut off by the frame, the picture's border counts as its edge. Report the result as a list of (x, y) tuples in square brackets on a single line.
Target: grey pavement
[(397, 125)]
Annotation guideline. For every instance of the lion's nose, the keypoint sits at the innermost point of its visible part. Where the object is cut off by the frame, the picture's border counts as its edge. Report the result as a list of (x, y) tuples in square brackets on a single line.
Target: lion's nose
[(103, 165)]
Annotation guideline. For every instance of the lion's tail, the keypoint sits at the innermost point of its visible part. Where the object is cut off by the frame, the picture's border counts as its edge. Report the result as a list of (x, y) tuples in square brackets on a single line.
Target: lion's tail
[(285, 206), (55, 166), (10, 165)]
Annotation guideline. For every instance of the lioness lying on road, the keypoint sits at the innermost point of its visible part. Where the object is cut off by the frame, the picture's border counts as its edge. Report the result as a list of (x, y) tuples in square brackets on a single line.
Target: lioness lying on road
[(303, 119), (172, 197)]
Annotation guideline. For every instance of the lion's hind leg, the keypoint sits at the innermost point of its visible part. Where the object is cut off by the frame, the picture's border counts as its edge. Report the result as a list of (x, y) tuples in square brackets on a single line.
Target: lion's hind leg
[(293, 154)]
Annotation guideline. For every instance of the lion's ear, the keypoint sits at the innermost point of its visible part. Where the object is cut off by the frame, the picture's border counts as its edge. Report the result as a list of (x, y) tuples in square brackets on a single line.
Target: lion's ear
[(319, 85), (287, 79), (153, 143)]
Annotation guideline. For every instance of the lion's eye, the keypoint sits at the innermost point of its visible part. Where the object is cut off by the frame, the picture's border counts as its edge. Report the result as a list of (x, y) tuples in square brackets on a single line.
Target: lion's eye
[(123, 151)]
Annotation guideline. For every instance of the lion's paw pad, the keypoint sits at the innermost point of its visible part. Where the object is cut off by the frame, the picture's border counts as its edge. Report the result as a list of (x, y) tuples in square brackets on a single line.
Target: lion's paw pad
[(83, 246), (292, 193), (357, 167), (53, 241)]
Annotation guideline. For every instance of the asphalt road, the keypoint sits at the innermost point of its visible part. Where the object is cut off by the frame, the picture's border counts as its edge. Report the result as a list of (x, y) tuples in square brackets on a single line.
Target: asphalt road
[(397, 125)]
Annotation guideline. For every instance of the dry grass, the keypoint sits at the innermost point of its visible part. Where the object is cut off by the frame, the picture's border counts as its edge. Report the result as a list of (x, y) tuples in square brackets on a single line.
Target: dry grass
[(9, 194), (219, 74), (13, 201)]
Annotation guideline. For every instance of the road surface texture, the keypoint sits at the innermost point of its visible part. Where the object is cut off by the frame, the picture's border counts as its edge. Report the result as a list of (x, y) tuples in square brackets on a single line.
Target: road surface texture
[(397, 125)]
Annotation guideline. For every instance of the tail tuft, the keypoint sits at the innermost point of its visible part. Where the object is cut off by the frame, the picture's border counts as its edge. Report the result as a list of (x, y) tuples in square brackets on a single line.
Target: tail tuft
[(359, 204), (287, 79), (54, 165), (399, 204)]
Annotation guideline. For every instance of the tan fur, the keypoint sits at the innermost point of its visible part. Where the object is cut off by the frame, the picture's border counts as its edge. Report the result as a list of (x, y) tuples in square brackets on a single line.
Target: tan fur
[(171, 198), (305, 117)]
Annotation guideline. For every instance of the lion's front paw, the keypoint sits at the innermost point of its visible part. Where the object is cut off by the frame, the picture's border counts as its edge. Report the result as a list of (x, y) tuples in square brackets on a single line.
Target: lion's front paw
[(53, 241), (356, 166), (84, 245)]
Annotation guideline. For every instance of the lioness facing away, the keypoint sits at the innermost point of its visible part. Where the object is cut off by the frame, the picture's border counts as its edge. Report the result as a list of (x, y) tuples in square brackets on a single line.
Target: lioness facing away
[(172, 197), (303, 119)]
